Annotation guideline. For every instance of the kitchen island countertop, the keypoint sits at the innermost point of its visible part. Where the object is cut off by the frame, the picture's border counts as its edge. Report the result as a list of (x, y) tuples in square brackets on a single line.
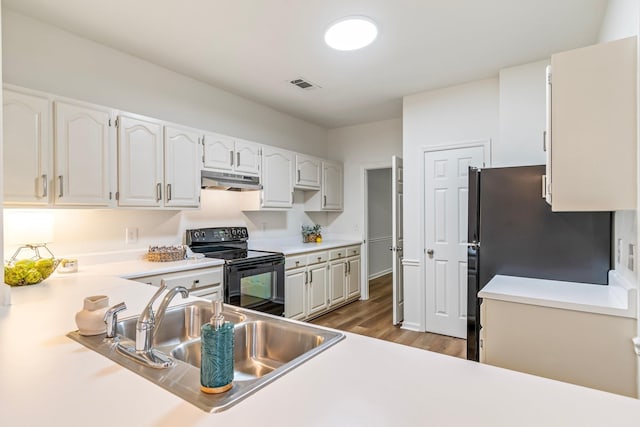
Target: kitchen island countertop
[(49, 379)]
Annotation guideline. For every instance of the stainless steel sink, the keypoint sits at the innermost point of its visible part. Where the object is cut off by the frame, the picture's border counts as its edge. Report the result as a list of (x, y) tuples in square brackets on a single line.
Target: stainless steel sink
[(261, 347), (266, 347)]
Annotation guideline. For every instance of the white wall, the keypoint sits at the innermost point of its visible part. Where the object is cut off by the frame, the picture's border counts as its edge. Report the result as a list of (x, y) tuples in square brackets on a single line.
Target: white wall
[(369, 145), (5, 293), (379, 221), (43, 57), (620, 21), (522, 116), (467, 112)]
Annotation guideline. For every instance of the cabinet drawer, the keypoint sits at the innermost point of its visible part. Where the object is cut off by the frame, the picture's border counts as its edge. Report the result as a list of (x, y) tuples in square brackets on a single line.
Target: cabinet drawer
[(188, 279), (317, 257), (353, 251), (337, 253), (295, 261)]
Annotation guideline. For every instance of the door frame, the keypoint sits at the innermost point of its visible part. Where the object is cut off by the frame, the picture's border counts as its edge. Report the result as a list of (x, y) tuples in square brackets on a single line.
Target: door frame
[(486, 145), (364, 268)]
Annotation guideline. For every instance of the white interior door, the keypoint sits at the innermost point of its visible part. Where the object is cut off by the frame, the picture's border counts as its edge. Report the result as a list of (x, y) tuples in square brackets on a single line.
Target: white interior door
[(446, 196), (397, 240)]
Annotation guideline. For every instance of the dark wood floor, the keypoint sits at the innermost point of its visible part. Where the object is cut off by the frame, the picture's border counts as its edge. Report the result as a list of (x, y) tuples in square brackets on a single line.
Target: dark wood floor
[(374, 318)]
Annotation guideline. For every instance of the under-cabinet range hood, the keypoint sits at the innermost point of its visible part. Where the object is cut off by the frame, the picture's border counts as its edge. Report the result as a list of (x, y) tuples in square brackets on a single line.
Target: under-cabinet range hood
[(229, 181)]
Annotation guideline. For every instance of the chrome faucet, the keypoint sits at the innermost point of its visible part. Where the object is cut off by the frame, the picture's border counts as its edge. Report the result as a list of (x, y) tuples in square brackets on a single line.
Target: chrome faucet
[(146, 328), (111, 319), (148, 322)]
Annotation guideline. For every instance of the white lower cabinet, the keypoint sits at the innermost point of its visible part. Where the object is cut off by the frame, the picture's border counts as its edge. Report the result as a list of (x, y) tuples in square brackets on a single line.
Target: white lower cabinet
[(319, 281), (588, 349), (305, 292)]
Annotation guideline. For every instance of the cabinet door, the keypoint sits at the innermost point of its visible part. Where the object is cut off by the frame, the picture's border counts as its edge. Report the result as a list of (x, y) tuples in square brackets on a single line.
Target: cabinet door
[(353, 277), (294, 294), (317, 297), (277, 191), (247, 157), (331, 186), (593, 127), (140, 162), (181, 167), (27, 148), (83, 159), (307, 174), (218, 152), (337, 284)]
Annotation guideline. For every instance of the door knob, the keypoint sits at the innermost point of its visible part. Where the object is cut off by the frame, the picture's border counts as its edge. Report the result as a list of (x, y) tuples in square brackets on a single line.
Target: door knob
[(430, 252)]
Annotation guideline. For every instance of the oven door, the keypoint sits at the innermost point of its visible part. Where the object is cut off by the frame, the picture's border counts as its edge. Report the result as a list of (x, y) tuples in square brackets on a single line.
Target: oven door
[(256, 284)]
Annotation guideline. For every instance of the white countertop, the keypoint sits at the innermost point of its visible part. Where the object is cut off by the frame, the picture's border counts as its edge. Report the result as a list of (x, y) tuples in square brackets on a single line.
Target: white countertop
[(616, 299), (140, 267), (295, 246), (48, 379)]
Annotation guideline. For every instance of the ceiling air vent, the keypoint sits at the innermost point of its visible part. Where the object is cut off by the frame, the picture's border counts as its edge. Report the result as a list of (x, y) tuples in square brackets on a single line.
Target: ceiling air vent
[(303, 83)]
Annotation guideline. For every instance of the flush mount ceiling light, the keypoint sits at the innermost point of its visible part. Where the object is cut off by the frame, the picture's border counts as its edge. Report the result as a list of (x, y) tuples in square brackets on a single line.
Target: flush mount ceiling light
[(350, 33)]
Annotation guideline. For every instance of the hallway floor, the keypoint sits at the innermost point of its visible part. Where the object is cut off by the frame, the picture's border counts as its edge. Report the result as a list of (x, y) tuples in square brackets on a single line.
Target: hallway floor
[(374, 318)]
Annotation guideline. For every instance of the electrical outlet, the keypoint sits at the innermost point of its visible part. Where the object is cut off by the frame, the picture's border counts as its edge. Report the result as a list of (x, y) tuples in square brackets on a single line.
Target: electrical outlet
[(131, 235), (618, 251)]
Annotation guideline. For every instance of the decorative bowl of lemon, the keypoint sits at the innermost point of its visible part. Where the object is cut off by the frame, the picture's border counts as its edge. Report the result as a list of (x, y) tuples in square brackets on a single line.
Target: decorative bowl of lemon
[(31, 270)]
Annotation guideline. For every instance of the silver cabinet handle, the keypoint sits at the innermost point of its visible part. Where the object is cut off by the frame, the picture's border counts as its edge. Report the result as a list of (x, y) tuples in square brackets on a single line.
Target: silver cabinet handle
[(237, 159), (168, 192), (340, 254), (61, 185), (306, 277), (430, 252), (310, 276), (45, 190), (325, 201), (230, 158), (346, 269), (158, 192), (349, 267), (544, 140), (298, 176)]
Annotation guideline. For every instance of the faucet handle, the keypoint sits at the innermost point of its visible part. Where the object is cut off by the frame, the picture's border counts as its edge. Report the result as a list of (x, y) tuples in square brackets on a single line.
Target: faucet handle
[(111, 318)]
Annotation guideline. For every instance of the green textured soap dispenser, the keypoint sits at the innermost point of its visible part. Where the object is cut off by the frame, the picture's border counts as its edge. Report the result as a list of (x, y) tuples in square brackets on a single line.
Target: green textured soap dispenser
[(216, 366)]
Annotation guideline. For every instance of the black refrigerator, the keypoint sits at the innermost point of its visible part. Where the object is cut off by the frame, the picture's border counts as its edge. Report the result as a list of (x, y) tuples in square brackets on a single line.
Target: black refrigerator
[(512, 231)]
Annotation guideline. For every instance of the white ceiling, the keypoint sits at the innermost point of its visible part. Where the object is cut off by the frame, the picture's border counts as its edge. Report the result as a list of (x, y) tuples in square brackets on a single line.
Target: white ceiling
[(254, 47)]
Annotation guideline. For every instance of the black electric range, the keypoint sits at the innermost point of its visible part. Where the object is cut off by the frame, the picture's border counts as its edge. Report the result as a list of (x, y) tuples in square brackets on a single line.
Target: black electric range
[(252, 279)]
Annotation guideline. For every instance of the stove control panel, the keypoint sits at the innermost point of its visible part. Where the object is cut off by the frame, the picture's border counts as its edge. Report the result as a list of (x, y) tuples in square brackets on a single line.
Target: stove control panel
[(216, 235)]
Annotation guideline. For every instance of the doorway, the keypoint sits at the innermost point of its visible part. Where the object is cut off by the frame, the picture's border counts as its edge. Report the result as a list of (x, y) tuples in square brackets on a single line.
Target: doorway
[(445, 213)]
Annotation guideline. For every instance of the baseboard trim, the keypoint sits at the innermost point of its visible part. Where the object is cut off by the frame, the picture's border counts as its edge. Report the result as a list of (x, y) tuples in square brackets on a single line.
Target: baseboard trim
[(380, 273), (409, 326)]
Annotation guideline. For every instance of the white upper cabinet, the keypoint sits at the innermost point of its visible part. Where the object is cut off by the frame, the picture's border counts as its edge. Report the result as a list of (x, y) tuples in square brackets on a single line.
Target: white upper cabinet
[(227, 154), (27, 148), (308, 172), (277, 183), (247, 156), (140, 160), (332, 186), (592, 136), (330, 196), (181, 167), (84, 151), (218, 152)]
